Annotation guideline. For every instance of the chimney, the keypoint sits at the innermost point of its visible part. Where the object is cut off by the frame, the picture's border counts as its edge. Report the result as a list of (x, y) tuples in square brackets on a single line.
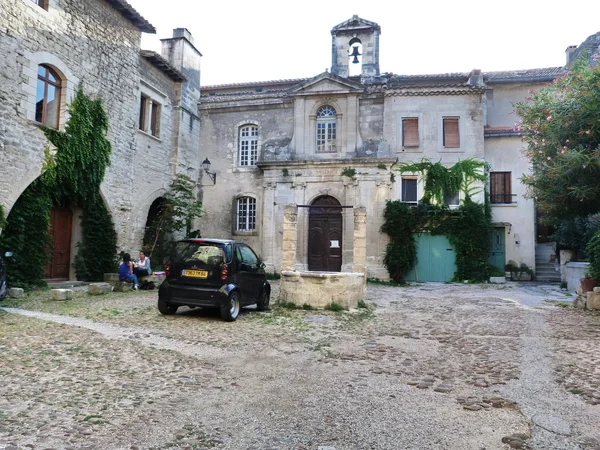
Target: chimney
[(569, 51), (183, 33)]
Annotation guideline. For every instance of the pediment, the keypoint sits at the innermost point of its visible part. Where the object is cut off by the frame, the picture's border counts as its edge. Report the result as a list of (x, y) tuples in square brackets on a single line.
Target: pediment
[(327, 83)]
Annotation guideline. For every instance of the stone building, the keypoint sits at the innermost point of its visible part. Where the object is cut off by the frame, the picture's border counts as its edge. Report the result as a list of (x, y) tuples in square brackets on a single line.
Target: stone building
[(336, 139), (48, 48)]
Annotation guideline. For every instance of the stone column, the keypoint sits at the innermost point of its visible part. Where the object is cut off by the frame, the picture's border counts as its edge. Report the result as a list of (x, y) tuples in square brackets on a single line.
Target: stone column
[(359, 263), (290, 219)]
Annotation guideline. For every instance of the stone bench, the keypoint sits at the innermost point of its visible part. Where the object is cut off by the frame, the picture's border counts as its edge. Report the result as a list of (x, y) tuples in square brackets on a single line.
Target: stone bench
[(156, 279), (100, 288), (61, 294)]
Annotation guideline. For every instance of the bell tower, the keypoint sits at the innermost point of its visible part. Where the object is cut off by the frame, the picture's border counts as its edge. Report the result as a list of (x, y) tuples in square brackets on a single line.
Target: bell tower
[(355, 48)]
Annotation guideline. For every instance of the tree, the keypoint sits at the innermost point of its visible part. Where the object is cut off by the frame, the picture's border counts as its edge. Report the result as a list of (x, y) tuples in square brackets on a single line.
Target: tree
[(175, 217), (561, 127)]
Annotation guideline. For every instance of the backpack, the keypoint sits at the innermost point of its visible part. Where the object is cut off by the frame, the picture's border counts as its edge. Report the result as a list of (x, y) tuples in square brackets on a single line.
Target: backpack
[(147, 286)]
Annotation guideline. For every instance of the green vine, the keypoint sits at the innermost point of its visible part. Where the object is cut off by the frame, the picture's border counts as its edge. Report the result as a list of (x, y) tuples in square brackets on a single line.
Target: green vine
[(593, 251), (467, 227), (441, 180), (348, 172), (71, 177)]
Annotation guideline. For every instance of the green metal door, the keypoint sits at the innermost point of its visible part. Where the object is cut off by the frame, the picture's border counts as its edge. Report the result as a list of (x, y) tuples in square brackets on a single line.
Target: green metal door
[(496, 255), (435, 259)]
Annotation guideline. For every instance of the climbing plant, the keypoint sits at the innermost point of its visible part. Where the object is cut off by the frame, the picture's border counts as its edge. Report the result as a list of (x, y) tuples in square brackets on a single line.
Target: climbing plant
[(468, 227), (441, 180), (72, 175)]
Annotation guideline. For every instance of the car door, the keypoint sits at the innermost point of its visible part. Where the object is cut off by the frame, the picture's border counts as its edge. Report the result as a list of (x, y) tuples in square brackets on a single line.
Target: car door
[(250, 273)]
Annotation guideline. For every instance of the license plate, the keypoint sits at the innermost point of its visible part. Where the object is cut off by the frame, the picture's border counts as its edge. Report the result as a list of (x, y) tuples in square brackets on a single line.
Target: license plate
[(194, 273)]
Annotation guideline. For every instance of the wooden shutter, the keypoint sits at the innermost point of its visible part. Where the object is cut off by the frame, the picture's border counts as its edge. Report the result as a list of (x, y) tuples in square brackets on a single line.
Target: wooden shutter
[(410, 132), (500, 188), (451, 135)]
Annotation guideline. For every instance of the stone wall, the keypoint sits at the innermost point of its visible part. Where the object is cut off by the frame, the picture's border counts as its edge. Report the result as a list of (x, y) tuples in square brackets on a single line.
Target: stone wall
[(92, 44)]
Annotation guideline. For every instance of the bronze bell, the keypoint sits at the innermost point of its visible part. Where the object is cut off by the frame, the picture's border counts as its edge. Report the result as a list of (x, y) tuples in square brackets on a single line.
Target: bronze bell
[(355, 54)]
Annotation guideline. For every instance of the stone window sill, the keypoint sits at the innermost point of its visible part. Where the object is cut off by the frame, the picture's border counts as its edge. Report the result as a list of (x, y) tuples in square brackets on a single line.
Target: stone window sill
[(145, 133)]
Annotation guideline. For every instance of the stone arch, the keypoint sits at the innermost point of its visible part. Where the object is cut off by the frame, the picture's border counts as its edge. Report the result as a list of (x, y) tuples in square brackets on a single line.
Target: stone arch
[(29, 85), (139, 216)]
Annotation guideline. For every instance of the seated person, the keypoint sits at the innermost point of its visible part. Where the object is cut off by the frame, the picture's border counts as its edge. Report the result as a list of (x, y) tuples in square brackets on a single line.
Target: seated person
[(126, 271), (142, 268)]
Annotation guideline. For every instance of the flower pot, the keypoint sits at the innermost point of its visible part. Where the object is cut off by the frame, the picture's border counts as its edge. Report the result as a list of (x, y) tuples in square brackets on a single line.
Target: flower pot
[(587, 284)]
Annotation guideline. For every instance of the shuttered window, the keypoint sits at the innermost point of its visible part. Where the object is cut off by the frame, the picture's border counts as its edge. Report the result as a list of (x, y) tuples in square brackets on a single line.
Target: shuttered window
[(410, 132), (500, 188), (451, 134)]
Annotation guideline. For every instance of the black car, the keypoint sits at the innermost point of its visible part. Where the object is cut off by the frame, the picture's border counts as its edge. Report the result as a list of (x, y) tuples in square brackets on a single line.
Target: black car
[(214, 273)]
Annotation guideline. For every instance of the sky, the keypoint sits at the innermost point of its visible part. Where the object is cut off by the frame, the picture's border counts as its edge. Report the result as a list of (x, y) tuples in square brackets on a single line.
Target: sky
[(267, 40)]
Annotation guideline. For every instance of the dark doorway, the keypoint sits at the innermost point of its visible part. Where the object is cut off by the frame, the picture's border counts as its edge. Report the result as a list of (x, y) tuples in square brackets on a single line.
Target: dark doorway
[(543, 232), (61, 220), (325, 235)]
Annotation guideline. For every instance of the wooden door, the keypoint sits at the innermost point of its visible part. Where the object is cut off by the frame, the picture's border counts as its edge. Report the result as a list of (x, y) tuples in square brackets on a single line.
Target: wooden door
[(60, 257), (436, 260), (496, 253), (325, 235)]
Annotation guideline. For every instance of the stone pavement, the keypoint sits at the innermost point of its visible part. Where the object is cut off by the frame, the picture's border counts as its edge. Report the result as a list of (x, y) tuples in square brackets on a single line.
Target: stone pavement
[(432, 366)]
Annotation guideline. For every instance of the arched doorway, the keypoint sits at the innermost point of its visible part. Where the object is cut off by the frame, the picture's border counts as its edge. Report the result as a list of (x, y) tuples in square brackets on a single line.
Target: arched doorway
[(325, 235)]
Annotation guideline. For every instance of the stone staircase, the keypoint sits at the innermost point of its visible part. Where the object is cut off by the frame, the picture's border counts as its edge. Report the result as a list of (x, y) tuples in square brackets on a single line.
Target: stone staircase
[(546, 265)]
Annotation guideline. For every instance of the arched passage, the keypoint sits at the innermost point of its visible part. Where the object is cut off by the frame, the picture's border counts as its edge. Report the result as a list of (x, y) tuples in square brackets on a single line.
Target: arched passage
[(325, 235)]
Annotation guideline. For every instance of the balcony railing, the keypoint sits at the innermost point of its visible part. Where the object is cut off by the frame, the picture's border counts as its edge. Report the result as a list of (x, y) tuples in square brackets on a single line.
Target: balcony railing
[(503, 199)]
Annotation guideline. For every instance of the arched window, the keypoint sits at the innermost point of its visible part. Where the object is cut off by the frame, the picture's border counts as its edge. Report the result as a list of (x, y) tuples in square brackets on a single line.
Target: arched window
[(47, 106), (326, 136), (248, 145), (246, 214)]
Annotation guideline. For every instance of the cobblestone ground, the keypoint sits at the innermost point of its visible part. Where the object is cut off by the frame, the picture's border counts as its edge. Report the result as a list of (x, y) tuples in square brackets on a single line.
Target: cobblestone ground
[(436, 366)]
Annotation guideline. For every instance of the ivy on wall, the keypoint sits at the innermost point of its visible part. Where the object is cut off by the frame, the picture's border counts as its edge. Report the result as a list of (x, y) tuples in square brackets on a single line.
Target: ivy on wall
[(72, 176), (467, 227)]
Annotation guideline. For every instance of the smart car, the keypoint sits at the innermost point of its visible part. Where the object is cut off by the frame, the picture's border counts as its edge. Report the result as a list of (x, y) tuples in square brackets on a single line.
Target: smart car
[(214, 273)]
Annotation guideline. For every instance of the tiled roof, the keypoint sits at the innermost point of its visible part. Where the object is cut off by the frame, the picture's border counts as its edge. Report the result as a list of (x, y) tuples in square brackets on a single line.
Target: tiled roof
[(255, 84), (161, 63), (544, 74), (132, 15)]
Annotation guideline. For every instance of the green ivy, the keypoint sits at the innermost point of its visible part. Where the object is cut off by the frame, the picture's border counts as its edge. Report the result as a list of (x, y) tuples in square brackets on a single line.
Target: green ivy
[(26, 235), (72, 176), (96, 252)]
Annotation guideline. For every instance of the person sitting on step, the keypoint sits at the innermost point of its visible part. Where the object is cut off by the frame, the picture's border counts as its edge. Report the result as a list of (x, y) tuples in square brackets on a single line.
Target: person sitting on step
[(142, 268), (126, 271)]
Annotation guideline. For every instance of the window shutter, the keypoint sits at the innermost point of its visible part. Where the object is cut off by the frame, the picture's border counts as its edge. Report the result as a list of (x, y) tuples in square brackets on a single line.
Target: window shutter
[(410, 132), (451, 135)]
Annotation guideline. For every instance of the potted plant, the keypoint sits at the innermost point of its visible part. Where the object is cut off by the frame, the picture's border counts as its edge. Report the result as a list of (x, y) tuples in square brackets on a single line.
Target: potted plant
[(520, 272), (592, 275)]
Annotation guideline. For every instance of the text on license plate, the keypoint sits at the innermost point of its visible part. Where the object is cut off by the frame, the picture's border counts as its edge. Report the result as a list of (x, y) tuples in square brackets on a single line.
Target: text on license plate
[(194, 273)]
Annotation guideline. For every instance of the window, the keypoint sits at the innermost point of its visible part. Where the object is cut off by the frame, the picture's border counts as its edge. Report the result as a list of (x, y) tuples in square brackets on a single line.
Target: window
[(451, 198), (47, 101), (41, 3), (410, 132), (149, 116), (409, 190), (246, 214), (326, 129), (500, 191), (451, 134), (245, 255), (248, 145)]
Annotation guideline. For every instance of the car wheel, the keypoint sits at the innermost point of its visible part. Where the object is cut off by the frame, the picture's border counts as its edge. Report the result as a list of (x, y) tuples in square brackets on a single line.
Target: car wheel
[(165, 308), (231, 310), (263, 301)]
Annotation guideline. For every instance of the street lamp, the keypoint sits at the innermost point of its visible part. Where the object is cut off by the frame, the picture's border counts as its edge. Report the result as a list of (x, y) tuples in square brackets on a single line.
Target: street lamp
[(206, 167)]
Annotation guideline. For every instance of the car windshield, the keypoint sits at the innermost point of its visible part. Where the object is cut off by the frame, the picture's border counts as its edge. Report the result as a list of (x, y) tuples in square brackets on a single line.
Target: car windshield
[(205, 252)]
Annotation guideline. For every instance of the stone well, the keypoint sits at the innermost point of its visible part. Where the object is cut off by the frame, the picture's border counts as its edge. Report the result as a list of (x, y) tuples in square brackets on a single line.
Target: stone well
[(319, 289)]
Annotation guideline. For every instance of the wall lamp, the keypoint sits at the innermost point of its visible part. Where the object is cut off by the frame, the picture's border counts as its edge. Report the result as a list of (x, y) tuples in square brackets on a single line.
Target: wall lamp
[(206, 167)]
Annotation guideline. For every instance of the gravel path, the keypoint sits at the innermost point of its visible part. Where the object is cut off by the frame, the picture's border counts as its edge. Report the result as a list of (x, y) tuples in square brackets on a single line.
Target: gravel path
[(435, 366)]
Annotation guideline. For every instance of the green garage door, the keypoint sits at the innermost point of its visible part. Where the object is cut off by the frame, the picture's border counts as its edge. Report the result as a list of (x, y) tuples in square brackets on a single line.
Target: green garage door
[(435, 259)]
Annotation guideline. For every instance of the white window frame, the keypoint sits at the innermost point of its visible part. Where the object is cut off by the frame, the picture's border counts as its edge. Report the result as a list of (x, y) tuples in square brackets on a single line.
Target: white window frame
[(247, 145), (245, 217), (326, 132)]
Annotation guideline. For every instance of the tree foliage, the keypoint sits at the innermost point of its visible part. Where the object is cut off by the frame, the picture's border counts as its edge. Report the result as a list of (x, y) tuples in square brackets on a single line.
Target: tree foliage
[(441, 180), (561, 126), (174, 219)]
